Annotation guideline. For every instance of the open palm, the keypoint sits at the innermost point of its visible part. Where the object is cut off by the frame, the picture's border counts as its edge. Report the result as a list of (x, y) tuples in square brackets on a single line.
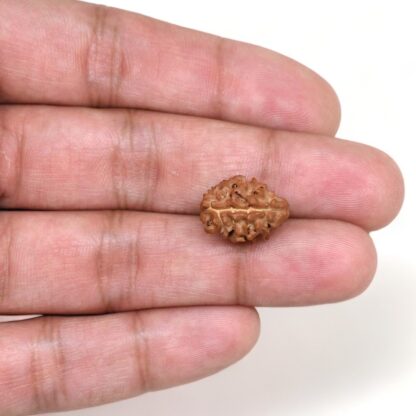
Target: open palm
[(112, 125)]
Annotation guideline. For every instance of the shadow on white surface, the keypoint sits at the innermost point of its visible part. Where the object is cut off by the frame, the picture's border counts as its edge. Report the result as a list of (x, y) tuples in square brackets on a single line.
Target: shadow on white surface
[(308, 361)]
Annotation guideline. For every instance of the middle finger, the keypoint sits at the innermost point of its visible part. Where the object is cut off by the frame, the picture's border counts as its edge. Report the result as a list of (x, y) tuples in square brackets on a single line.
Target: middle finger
[(73, 158)]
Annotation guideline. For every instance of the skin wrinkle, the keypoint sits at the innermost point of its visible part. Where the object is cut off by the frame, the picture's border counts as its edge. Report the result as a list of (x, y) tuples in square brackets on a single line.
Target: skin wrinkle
[(118, 174), (157, 67), (129, 134), (3, 131), (20, 157), (153, 167), (3, 93), (134, 261), (7, 235), (167, 262), (115, 244), (141, 352), (103, 251), (218, 95), (240, 278), (40, 371), (34, 381), (118, 65), (125, 295), (59, 386), (19, 137), (150, 298), (91, 57), (105, 60), (119, 165), (275, 162), (125, 147), (267, 156)]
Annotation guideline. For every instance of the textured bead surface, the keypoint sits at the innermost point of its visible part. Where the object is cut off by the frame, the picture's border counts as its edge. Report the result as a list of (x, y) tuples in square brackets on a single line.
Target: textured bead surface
[(241, 210)]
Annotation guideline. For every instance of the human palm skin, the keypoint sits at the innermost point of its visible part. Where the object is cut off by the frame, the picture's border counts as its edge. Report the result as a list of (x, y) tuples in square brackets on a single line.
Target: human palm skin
[(112, 125)]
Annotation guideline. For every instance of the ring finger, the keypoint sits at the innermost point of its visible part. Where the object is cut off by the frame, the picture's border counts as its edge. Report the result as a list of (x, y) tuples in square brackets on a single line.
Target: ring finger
[(95, 262)]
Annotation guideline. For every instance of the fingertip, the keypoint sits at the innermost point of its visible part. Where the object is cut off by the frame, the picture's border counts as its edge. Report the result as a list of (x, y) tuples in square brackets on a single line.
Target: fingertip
[(328, 119), (203, 341), (356, 264), (237, 330), (382, 191), (361, 263), (246, 330), (277, 92), (349, 181), (317, 106), (394, 191)]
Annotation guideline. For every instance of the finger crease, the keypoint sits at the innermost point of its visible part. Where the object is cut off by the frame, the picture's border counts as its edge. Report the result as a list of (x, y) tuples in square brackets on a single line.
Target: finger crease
[(240, 287), (153, 168), (7, 235), (105, 59), (19, 160), (268, 160), (4, 159), (218, 96), (104, 266), (48, 368), (141, 352), (119, 164), (134, 264)]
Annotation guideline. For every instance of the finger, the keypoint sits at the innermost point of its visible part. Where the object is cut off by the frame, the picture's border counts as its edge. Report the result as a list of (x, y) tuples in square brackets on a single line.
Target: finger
[(63, 263), (59, 158), (96, 56), (49, 364)]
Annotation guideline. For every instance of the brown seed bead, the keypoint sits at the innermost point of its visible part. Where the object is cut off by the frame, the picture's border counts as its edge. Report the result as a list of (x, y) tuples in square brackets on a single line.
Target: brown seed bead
[(241, 210)]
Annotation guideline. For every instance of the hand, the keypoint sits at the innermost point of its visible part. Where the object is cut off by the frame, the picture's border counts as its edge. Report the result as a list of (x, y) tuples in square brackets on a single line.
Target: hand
[(101, 197)]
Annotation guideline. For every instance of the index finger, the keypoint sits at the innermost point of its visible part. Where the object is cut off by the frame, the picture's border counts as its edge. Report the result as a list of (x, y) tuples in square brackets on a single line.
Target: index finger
[(73, 53)]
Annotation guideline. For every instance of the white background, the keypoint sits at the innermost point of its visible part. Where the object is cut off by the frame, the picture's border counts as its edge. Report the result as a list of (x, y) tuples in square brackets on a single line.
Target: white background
[(357, 357)]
